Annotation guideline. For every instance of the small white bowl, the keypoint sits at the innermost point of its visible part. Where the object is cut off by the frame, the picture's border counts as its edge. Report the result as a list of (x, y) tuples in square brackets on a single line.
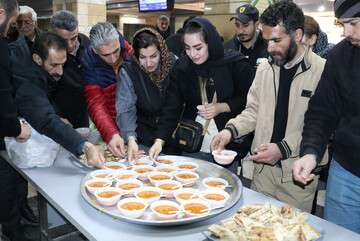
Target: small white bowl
[(108, 196), (102, 174), (148, 194), (164, 160), (167, 168), (187, 178), (193, 205), (156, 177), (93, 184), (224, 157), (143, 171), (187, 166), (215, 182), (186, 194), (115, 166), (141, 162), (125, 175), (215, 197), (136, 210), (129, 186), (167, 214), (168, 187)]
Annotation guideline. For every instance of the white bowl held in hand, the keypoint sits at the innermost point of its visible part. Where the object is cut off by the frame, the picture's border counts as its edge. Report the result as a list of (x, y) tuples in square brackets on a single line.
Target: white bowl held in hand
[(224, 157)]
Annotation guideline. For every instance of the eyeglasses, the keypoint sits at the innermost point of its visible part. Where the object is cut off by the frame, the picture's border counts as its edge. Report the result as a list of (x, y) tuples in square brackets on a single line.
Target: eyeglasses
[(21, 22)]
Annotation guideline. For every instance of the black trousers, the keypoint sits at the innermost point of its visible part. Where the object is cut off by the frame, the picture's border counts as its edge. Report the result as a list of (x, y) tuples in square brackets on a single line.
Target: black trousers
[(13, 191)]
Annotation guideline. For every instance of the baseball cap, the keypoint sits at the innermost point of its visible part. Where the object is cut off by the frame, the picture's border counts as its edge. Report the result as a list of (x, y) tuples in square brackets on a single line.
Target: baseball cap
[(246, 13)]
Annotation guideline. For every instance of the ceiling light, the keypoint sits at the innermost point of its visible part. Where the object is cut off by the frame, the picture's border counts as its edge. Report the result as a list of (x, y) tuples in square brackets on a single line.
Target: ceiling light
[(321, 8)]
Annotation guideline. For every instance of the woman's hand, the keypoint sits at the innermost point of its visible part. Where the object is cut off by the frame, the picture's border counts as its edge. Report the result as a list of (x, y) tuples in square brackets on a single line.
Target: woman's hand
[(209, 111), (156, 148)]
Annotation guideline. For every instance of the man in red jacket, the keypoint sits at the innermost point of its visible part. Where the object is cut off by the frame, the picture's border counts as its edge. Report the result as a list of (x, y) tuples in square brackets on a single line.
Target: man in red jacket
[(102, 62)]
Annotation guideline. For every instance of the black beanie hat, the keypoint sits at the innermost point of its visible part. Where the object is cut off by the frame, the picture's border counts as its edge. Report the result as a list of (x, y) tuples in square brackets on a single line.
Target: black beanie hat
[(347, 8)]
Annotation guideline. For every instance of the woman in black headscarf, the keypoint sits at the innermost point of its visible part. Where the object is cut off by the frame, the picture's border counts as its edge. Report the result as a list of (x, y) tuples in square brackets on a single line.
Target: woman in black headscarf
[(227, 74), (140, 91)]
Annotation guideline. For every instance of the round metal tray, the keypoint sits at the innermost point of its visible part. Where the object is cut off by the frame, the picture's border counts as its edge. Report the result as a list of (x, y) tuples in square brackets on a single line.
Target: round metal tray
[(206, 169)]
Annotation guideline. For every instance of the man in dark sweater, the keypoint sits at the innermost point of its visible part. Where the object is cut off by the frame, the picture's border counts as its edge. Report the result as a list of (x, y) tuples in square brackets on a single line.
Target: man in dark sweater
[(10, 180), (335, 107), (70, 92), (248, 39)]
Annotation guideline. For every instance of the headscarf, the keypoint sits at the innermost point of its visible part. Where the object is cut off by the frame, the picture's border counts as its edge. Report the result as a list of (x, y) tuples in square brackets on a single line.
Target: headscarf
[(166, 58)]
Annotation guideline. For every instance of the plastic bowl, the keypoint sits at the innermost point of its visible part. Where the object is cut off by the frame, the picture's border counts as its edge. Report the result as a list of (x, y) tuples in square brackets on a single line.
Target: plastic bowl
[(187, 166), (168, 187), (224, 157), (186, 194), (148, 194), (103, 174), (143, 171), (215, 197), (108, 196), (132, 207), (214, 182), (125, 175), (156, 177), (129, 186), (187, 178), (189, 208), (115, 166), (165, 209), (96, 183)]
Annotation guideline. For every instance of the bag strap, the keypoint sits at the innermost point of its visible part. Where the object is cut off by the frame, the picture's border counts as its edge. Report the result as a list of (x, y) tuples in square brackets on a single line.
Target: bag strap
[(204, 100)]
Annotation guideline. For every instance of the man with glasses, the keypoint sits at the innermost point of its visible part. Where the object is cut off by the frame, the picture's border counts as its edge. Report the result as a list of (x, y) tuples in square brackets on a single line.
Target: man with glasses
[(335, 108), (27, 24)]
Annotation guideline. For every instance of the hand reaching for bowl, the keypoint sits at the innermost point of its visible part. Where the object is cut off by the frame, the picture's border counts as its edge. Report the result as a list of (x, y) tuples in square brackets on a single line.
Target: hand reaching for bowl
[(221, 139), (93, 155), (156, 149), (117, 146), (133, 152)]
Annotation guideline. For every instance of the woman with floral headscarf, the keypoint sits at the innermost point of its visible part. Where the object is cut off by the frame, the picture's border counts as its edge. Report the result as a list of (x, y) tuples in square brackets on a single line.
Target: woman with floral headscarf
[(140, 91)]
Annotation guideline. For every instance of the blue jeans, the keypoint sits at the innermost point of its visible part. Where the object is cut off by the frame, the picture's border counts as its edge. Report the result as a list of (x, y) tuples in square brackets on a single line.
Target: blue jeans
[(342, 203)]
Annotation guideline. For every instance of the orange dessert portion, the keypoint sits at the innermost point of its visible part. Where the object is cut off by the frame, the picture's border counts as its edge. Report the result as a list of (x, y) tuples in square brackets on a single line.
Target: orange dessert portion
[(115, 167), (168, 162), (102, 175), (159, 177), (125, 176), (98, 184), (187, 196), (148, 194), (143, 170), (108, 194), (215, 197), (186, 176), (215, 184), (187, 166), (196, 208), (169, 186), (129, 186), (167, 169), (133, 206), (166, 209)]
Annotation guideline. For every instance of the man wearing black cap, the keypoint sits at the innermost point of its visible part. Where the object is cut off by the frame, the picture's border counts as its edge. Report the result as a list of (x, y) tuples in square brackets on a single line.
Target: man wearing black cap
[(335, 108), (248, 39)]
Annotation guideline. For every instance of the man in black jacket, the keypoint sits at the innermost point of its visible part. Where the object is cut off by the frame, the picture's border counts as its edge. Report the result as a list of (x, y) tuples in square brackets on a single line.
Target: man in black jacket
[(36, 87), (335, 107), (10, 125), (248, 39), (70, 93)]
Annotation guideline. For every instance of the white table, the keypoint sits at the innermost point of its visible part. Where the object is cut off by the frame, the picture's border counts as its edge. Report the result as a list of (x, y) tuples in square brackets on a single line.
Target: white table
[(60, 186)]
